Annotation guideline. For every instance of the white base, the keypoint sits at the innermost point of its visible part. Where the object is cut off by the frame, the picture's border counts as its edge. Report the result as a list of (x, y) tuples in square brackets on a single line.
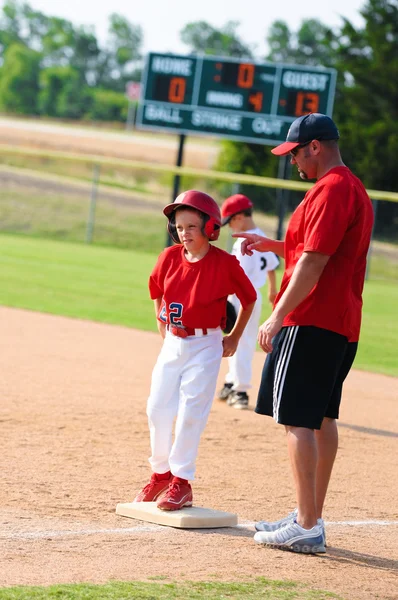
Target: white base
[(193, 517)]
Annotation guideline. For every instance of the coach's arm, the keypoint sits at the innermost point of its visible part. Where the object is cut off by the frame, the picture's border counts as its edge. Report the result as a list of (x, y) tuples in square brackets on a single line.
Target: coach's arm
[(306, 274)]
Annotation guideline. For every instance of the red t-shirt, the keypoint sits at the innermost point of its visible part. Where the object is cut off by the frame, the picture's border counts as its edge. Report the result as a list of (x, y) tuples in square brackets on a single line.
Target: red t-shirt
[(195, 294), (335, 218)]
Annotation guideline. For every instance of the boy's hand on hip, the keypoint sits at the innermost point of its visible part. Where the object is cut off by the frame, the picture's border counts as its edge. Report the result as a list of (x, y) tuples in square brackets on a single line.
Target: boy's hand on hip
[(230, 343), (268, 331)]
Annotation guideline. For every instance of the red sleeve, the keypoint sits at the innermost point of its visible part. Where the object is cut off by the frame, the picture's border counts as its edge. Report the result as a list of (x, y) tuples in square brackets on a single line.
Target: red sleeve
[(242, 286), (327, 218), (156, 279)]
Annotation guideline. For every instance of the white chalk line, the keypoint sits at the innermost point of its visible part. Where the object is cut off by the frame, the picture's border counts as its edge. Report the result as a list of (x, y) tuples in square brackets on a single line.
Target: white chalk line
[(38, 535)]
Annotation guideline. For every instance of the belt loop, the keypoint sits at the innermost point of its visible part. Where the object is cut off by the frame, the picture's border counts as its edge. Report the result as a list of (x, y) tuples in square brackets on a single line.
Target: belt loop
[(204, 331)]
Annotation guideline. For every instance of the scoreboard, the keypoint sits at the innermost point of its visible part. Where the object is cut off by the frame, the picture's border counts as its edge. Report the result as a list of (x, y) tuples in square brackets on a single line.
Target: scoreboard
[(230, 98)]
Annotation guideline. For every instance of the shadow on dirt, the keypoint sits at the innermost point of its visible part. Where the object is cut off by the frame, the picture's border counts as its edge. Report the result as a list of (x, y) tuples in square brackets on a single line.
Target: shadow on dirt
[(370, 430), (347, 557)]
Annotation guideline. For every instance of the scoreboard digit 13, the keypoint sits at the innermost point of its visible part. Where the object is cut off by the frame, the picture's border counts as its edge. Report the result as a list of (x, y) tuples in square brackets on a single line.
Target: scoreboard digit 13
[(240, 100)]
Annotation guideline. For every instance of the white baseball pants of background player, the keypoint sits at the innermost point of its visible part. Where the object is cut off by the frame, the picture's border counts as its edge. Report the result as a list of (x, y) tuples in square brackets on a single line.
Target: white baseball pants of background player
[(183, 385), (240, 364)]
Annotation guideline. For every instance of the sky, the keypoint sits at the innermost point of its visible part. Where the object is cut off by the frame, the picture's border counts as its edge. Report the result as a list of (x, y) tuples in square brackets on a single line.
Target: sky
[(162, 20)]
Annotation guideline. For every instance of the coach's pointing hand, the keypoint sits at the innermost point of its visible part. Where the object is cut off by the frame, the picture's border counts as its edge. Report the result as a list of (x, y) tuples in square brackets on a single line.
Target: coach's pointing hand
[(252, 241)]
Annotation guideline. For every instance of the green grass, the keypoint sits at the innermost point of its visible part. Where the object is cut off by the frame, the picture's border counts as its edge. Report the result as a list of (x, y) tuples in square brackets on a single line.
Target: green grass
[(378, 346), (63, 216), (110, 285), (261, 588), (76, 280)]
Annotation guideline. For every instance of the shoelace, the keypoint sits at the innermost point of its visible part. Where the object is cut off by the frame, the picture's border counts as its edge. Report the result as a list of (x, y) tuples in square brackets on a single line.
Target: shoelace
[(283, 534), (149, 486), (174, 488)]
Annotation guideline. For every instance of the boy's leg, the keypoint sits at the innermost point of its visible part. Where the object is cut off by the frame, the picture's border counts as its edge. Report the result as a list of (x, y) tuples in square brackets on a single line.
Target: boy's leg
[(163, 401), (240, 364), (198, 385)]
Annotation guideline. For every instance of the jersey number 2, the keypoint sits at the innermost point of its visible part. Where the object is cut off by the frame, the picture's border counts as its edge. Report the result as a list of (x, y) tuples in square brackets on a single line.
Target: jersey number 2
[(175, 313)]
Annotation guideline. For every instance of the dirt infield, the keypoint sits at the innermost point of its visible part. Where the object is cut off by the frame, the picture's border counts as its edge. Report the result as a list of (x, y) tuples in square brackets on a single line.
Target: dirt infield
[(74, 443)]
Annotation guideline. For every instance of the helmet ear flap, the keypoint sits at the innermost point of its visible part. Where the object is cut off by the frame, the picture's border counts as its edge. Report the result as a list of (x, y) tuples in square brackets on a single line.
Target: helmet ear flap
[(212, 229), (172, 229)]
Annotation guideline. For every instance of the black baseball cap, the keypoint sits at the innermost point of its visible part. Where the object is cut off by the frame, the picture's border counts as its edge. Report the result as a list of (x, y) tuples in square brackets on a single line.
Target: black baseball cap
[(314, 126)]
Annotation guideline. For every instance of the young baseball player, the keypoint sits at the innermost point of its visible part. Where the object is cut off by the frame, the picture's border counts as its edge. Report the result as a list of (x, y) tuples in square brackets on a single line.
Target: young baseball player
[(189, 285), (237, 212)]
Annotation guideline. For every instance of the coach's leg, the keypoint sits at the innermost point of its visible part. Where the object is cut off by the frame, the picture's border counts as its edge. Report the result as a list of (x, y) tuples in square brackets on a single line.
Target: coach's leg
[(303, 459), (327, 440)]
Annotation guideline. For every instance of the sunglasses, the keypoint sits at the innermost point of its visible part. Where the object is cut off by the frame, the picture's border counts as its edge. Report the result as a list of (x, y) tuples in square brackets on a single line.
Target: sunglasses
[(297, 148)]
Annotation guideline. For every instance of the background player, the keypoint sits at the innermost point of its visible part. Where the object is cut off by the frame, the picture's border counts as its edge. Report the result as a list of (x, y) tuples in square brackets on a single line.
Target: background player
[(189, 285), (237, 212)]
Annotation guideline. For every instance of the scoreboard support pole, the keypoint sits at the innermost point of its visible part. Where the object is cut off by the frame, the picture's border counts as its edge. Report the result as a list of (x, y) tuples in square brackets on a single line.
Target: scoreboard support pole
[(282, 196), (176, 184)]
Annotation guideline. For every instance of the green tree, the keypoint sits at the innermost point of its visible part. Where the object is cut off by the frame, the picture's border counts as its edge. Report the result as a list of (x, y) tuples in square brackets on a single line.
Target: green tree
[(314, 44), (121, 56), (107, 105), (368, 115), (125, 40), (53, 82), (71, 60), (201, 37), (73, 99), (19, 80)]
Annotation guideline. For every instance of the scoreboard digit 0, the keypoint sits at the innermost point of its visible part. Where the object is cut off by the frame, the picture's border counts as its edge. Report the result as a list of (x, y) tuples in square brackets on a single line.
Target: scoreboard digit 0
[(240, 100)]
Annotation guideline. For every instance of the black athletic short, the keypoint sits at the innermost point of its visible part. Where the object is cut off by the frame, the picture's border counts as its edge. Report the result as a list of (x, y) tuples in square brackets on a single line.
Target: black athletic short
[(303, 376)]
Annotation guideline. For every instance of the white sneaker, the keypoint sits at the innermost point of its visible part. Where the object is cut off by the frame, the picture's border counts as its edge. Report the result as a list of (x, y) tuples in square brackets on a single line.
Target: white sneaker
[(274, 525), (294, 537)]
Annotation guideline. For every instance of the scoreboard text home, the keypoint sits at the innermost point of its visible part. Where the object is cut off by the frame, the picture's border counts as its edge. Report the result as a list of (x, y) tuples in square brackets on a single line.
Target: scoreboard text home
[(244, 101)]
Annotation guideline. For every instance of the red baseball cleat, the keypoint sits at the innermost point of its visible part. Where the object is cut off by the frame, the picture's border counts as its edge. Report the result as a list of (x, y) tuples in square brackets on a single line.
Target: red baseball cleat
[(177, 496), (154, 488)]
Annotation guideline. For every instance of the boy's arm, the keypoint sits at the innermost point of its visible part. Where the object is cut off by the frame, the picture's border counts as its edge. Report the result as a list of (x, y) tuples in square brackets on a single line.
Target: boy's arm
[(161, 326), (230, 341), (272, 291)]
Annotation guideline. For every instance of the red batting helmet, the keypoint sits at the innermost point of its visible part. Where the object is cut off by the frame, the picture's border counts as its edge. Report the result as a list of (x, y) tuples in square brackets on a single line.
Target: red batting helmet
[(201, 202), (233, 206)]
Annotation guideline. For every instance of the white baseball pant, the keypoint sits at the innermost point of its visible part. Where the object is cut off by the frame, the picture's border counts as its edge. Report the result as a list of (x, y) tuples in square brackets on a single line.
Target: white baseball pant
[(183, 386), (240, 364)]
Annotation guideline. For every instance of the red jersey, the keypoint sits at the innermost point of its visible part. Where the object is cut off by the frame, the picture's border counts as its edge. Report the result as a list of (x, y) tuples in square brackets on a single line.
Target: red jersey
[(335, 218), (195, 293)]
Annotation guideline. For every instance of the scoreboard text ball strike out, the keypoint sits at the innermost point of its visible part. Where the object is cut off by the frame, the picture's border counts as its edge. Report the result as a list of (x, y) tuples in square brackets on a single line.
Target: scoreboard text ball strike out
[(239, 100)]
